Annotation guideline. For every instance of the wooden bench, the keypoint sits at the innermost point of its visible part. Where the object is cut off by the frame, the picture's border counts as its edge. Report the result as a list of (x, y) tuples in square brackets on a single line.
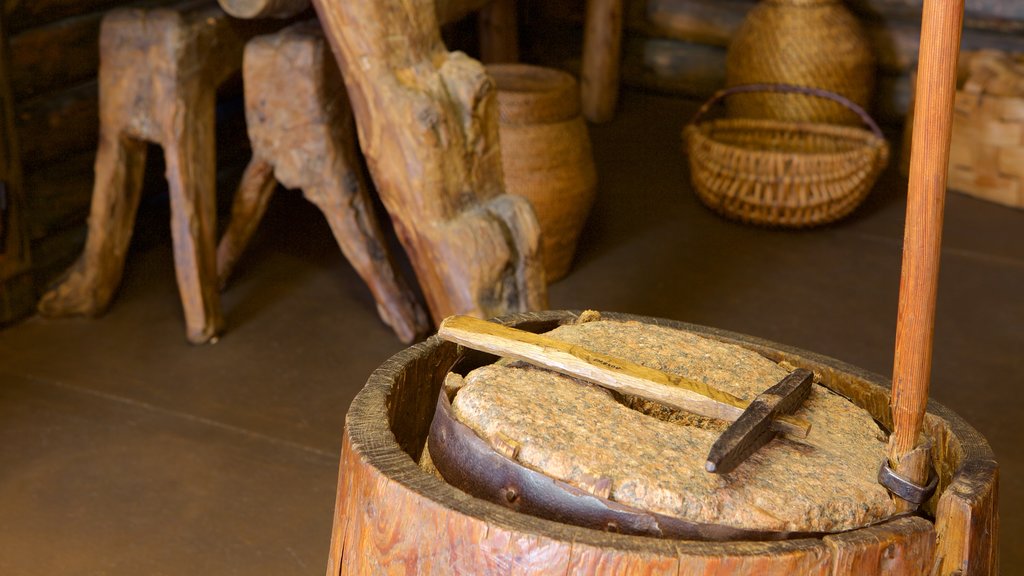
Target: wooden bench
[(158, 78)]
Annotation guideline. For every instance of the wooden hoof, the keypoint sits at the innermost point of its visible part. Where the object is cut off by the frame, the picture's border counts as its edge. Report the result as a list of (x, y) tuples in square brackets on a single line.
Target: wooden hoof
[(78, 293), (392, 514)]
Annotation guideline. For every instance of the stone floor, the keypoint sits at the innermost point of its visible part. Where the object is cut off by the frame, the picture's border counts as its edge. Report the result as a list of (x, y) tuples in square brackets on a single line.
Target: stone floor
[(124, 450)]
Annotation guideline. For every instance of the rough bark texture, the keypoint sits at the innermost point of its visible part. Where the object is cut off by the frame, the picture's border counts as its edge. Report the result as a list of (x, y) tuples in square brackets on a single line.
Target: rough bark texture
[(428, 128), (302, 132), (387, 505), (159, 72)]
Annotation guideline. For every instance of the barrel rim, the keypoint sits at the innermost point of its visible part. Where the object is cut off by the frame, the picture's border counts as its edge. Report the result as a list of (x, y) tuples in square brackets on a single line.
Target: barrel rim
[(377, 446)]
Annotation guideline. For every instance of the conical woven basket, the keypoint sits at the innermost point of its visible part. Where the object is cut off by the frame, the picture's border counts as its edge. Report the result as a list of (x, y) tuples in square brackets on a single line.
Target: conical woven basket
[(816, 43), (780, 173)]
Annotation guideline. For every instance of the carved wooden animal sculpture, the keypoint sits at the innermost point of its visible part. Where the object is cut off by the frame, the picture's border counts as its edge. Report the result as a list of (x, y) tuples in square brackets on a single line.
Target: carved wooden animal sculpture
[(302, 133), (158, 77), (428, 128)]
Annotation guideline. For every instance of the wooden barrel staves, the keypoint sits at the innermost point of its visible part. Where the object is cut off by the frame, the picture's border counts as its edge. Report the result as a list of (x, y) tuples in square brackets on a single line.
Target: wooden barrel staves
[(546, 155), (392, 515)]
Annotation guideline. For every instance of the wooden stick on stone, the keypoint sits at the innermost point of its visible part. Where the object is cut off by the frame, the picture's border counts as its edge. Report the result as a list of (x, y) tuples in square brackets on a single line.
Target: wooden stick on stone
[(428, 126), (606, 371), (936, 87)]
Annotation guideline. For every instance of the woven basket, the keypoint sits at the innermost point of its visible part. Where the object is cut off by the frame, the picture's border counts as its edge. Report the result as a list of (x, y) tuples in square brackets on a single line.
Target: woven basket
[(546, 155), (778, 173), (815, 43)]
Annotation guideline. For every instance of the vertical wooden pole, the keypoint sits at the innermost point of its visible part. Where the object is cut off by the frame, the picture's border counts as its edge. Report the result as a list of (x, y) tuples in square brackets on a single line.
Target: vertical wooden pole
[(499, 32), (602, 41), (936, 87)]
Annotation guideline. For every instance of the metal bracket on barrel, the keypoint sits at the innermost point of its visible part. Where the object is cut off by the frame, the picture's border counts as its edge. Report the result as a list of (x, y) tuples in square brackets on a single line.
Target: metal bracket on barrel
[(904, 489), (912, 493)]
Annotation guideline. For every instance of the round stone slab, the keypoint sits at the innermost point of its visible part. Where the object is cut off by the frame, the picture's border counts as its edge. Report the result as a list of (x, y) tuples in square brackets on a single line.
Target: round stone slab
[(653, 457)]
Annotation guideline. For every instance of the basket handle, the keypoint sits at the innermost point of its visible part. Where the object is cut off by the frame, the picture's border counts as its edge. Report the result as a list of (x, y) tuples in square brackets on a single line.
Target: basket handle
[(789, 89)]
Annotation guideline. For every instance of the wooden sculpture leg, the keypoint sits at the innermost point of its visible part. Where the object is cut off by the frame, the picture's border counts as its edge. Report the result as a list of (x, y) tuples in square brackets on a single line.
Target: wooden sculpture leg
[(158, 76), (428, 126), (247, 211), (191, 177), (345, 200), (349, 212), (506, 230), (88, 286), (302, 134)]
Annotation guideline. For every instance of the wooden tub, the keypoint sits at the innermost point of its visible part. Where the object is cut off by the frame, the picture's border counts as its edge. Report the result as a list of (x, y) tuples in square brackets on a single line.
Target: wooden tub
[(392, 517)]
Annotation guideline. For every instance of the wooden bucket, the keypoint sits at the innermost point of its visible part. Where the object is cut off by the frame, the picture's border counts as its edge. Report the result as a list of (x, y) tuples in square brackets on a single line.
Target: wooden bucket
[(392, 515), (546, 155)]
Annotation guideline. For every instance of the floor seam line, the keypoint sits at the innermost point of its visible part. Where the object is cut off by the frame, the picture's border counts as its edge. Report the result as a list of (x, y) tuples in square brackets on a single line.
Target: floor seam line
[(969, 254), (117, 399)]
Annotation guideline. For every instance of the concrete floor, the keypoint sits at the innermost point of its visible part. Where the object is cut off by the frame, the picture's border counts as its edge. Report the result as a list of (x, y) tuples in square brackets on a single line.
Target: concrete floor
[(125, 450)]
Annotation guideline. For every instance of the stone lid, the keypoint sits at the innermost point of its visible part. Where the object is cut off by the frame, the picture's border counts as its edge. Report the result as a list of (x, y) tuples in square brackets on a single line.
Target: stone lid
[(654, 456)]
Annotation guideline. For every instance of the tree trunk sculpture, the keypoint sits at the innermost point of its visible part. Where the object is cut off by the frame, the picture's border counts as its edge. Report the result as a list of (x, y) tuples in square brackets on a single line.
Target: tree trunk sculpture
[(428, 126)]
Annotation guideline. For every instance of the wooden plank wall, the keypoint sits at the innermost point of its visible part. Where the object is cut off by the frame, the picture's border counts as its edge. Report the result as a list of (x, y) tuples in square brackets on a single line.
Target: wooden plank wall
[(679, 46)]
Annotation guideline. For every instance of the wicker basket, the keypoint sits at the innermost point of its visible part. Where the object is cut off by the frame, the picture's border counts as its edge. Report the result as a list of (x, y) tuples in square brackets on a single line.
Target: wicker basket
[(816, 43), (546, 155), (778, 173)]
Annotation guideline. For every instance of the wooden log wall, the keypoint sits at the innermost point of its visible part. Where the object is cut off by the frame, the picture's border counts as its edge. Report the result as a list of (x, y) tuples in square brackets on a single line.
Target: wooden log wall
[(679, 46), (54, 60), (15, 260)]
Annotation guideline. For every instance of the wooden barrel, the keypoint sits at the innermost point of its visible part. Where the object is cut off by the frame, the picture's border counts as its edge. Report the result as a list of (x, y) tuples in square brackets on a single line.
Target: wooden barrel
[(546, 155), (393, 516)]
